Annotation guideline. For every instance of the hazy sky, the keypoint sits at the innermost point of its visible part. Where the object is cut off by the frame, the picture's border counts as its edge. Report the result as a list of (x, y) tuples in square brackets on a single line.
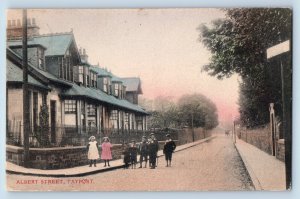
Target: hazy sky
[(158, 45)]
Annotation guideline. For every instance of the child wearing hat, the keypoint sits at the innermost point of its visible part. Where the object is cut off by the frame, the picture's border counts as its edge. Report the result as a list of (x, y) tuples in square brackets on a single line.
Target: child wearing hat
[(133, 154), (169, 148), (126, 155), (93, 153)]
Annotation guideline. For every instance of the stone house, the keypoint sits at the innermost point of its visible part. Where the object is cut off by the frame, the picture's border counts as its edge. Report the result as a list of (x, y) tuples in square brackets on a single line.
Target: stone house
[(82, 99)]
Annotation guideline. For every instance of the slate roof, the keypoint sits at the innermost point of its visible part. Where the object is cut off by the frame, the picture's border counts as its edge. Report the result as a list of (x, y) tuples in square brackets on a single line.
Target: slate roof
[(15, 74), (42, 72), (100, 71), (132, 84), (99, 95), (56, 44)]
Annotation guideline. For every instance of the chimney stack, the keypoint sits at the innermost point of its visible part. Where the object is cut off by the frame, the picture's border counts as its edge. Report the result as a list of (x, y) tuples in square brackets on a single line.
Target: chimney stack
[(84, 57), (14, 28)]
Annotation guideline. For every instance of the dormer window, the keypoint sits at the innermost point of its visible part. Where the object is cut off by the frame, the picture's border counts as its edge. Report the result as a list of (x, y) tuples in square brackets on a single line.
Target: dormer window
[(117, 90), (80, 74), (87, 73), (105, 84), (93, 80), (41, 59)]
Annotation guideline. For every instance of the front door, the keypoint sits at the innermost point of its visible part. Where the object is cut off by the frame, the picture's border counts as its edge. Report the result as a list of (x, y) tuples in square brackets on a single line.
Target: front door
[(53, 120)]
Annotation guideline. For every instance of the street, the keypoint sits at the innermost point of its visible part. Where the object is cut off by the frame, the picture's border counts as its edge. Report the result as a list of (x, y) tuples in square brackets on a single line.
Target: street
[(212, 165)]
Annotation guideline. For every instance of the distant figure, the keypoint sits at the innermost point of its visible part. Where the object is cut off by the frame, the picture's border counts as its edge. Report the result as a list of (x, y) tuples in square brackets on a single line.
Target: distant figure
[(169, 148), (143, 150), (133, 150), (93, 153), (106, 151), (153, 149), (126, 154), (227, 133)]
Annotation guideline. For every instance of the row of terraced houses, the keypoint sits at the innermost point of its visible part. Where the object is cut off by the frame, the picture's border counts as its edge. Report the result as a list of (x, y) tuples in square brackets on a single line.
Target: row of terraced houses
[(82, 99)]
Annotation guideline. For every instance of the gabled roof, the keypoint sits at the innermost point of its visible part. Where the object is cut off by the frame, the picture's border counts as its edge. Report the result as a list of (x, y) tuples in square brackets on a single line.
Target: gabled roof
[(39, 74), (133, 84), (15, 74), (56, 44)]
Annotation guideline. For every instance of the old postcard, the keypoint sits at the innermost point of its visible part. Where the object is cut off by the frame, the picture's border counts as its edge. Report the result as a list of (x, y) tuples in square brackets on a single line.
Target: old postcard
[(149, 99)]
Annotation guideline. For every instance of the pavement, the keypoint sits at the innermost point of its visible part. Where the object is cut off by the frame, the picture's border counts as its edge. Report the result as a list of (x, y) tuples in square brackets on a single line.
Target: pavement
[(266, 172), (85, 170), (210, 165)]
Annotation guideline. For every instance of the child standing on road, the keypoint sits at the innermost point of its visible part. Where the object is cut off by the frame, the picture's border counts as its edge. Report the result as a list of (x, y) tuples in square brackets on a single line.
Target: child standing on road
[(169, 148), (106, 151), (93, 153), (133, 154), (126, 154)]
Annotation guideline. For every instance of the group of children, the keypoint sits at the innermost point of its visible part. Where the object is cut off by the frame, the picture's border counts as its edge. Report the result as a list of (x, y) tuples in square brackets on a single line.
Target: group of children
[(147, 147), (93, 153), (131, 150)]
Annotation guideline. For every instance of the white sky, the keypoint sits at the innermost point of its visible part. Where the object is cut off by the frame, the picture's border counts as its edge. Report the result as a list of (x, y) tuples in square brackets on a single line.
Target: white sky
[(158, 45)]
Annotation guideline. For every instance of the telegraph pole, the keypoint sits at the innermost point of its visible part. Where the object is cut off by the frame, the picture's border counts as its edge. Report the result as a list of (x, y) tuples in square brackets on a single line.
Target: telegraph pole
[(26, 111)]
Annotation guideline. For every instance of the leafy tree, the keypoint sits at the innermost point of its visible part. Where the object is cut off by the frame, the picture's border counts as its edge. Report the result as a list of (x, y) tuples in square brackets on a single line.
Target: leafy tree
[(196, 110), (238, 45)]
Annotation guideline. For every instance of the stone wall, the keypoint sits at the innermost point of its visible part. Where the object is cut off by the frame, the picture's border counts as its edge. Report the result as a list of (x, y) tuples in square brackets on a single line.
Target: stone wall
[(186, 135), (58, 157), (280, 153)]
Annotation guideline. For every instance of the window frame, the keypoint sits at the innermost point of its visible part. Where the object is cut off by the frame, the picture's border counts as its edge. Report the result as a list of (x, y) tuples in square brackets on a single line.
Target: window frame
[(70, 106)]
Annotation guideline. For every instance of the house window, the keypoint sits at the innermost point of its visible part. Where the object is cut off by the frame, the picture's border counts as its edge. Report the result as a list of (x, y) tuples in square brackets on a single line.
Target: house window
[(126, 121), (91, 110), (139, 122), (114, 116), (116, 89), (70, 106), (105, 84), (80, 74), (87, 76), (41, 59), (94, 80)]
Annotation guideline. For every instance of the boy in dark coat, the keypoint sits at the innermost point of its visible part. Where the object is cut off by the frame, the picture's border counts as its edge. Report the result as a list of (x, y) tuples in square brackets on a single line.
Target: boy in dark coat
[(153, 149), (133, 150), (169, 148), (126, 155), (143, 149)]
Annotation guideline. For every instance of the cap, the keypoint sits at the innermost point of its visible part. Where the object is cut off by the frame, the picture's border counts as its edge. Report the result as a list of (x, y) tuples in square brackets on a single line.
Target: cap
[(168, 135)]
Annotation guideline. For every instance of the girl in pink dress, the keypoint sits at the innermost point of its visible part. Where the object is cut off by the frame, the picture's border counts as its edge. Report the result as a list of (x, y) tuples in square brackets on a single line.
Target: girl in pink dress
[(106, 151)]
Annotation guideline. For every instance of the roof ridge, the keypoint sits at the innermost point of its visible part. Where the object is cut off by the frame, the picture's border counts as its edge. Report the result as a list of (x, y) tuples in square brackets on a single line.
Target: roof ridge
[(53, 34)]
